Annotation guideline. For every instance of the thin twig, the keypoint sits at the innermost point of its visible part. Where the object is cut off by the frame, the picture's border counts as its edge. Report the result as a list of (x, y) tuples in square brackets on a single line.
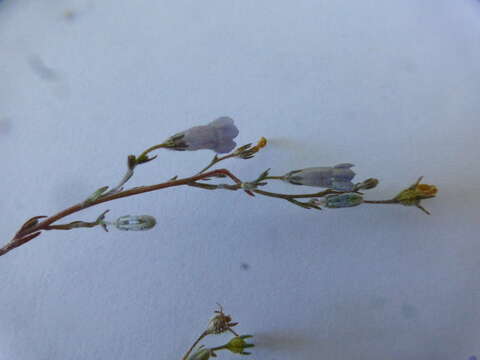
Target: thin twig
[(122, 182), (297, 196), (275, 178), (204, 334), (391, 201), (216, 160), (150, 149)]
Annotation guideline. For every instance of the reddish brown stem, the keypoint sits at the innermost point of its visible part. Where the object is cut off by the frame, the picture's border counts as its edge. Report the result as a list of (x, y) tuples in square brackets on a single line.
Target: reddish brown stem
[(26, 234)]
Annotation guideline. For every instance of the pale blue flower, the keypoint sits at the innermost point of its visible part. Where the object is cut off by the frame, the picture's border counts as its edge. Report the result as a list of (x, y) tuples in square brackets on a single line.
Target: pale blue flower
[(338, 177), (217, 136)]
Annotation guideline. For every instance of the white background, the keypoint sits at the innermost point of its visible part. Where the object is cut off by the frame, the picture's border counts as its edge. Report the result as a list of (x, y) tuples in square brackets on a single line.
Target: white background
[(391, 86)]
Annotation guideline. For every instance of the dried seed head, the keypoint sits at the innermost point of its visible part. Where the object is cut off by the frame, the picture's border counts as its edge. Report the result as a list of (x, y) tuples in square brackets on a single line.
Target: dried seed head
[(220, 323)]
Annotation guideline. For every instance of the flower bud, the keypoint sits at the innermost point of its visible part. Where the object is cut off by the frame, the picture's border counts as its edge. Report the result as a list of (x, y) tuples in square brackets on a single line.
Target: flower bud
[(135, 222), (238, 345), (338, 177), (202, 354), (367, 184), (248, 151), (261, 143), (343, 200), (415, 193), (131, 162)]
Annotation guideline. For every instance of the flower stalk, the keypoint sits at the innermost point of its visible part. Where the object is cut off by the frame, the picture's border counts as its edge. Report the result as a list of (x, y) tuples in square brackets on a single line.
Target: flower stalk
[(218, 135)]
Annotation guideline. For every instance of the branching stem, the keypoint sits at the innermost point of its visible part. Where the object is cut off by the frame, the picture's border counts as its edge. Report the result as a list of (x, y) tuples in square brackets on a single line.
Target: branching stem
[(216, 160), (25, 234)]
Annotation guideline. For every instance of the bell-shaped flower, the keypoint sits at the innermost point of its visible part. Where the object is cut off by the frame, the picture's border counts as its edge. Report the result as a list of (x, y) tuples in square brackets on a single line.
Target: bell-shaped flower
[(218, 136)]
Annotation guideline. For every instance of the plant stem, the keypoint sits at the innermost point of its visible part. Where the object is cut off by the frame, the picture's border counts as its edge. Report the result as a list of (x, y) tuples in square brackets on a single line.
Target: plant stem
[(218, 348), (150, 149), (23, 235), (296, 196), (204, 334), (122, 182), (391, 201), (76, 224), (274, 178), (216, 160)]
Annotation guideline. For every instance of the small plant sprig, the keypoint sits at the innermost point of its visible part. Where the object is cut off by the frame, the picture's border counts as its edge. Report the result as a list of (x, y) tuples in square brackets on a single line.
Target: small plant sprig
[(340, 190), (219, 324)]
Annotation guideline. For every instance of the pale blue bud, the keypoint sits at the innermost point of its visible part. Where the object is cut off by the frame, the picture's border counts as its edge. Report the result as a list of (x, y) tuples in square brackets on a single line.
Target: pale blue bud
[(338, 177), (135, 222), (343, 200)]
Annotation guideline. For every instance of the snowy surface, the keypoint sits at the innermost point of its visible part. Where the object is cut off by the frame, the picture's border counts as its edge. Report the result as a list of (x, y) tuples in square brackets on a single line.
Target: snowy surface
[(391, 86)]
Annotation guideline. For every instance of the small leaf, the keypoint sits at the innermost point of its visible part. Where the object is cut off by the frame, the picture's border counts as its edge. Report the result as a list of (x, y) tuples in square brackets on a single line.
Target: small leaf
[(25, 239), (423, 209), (101, 217), (31, 222), (263, 175), (243, 148), (144, 159), (96, 195)]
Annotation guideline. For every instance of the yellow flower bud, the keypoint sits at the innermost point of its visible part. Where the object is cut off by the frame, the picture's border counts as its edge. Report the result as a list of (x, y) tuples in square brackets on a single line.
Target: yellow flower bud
[(413, 195), (262, 143), (238, 345)]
